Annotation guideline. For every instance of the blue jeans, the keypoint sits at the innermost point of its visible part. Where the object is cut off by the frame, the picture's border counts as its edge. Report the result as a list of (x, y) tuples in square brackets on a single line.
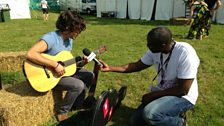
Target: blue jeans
[(165, 111)]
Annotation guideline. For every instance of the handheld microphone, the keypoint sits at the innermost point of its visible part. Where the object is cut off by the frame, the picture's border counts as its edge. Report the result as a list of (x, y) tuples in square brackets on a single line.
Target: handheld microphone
[(91, 56)]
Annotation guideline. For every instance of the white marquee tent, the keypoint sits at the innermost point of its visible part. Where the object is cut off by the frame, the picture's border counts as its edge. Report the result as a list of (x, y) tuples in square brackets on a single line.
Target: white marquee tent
[(143, 9), (134, 9), (121, 8), (146, 9), (166, 9), (19, 9)]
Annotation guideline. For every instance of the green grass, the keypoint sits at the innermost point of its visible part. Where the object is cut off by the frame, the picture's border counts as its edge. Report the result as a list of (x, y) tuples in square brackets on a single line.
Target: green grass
[(126, 42)]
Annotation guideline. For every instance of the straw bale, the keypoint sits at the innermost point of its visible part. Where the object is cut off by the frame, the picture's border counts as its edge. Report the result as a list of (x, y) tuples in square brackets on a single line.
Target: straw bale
[(181, 21), (11, 61), (20, 105)]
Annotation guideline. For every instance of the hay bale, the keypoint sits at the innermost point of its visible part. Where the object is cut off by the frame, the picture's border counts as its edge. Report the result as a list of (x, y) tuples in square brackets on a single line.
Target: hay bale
[(181, 21), (22, 106), (11, 61)]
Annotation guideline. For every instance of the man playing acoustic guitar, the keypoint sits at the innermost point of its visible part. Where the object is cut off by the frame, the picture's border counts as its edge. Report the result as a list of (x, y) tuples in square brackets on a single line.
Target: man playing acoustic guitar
[(69, 25)]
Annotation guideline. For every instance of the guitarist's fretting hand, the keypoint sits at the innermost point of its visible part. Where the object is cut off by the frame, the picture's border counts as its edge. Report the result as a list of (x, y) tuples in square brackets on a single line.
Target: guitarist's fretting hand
[(60, 70)]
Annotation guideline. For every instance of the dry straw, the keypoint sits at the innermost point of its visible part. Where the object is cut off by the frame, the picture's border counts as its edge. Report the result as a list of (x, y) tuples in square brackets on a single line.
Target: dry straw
[(11, 61), (20, 105)]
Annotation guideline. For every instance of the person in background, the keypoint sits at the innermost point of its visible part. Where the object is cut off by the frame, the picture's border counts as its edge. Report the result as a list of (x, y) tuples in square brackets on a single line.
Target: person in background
[(176, 64), (213, 5), (202, 22), (69, 25), (44, 7)]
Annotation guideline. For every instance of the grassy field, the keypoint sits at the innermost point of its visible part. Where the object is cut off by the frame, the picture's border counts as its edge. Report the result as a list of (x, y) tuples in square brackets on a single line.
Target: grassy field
[(126, 42)]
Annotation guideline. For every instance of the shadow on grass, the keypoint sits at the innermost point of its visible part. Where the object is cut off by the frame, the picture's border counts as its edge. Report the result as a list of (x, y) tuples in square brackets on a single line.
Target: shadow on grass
[(180, 36), (83, 118), (122, 116)]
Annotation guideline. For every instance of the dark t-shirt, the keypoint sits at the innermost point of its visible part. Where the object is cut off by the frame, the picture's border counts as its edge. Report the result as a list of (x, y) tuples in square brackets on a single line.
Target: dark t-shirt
[(211, 3)]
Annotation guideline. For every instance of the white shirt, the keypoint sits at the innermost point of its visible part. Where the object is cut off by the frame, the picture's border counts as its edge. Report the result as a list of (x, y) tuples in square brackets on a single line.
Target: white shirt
[(183, 64), (44, 4)]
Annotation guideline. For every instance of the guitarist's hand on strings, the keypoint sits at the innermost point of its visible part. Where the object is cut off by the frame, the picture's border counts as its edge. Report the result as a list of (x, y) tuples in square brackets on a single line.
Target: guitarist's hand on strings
[(60, 70)]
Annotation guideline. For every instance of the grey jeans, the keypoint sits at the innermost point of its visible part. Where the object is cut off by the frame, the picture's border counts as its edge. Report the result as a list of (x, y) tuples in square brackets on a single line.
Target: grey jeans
[(74, 86)]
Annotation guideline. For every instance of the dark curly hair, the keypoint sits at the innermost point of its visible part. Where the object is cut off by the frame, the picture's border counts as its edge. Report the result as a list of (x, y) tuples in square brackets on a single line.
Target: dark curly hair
[(70, 21)]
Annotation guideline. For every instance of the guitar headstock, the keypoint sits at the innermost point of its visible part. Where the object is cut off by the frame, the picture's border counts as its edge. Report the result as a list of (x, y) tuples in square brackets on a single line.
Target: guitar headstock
[(100, 50)]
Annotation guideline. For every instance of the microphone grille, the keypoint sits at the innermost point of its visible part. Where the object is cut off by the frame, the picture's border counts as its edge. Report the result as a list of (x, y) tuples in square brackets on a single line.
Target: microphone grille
[(86, 52)]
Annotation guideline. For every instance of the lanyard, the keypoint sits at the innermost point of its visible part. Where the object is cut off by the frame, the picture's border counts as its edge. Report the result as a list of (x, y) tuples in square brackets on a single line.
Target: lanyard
[(160, 67)]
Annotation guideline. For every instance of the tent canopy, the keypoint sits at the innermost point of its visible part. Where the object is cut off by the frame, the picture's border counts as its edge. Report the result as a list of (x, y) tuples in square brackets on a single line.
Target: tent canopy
[(143, 9), (19, 9)]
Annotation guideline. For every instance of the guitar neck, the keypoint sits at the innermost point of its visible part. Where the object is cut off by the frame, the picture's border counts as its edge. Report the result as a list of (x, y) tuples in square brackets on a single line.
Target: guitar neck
[(69, 62)]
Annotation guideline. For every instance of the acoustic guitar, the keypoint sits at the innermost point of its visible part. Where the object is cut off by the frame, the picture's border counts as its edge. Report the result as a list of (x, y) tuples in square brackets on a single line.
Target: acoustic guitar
[(43, 79)]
